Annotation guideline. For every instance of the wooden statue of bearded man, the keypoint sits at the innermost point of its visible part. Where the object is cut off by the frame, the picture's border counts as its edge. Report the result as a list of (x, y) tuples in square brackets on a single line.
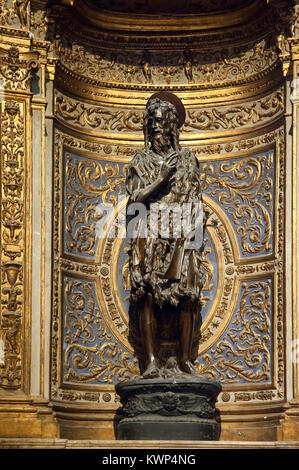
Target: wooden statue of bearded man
[(166, 247)]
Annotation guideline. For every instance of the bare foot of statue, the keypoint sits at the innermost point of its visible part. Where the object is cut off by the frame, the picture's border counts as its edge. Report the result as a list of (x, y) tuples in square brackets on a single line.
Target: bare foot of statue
[(152, 371), (187, 367)]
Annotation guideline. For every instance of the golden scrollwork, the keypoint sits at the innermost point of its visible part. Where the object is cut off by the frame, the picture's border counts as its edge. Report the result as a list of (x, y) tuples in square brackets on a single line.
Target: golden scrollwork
[(84, 359), (12, 241), (244, 352), (238, 64), (144, 67), (239, 194), (251, 113), (83, 115), (17, 68), (83, 197)]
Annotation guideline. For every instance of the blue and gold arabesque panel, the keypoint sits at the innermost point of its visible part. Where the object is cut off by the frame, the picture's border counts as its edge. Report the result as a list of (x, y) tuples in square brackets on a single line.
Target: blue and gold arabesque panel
[(240, 259)]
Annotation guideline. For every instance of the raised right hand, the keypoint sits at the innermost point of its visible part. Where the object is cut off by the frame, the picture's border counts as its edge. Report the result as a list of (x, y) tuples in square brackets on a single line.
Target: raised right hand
[(168, 167)]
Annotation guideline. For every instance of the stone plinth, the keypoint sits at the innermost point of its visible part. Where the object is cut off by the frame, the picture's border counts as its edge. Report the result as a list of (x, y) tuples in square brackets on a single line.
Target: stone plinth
[(169, 409)]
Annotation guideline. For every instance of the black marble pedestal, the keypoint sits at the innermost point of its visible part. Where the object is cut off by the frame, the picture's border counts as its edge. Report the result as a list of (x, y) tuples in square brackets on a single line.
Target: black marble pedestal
[(168, 409)]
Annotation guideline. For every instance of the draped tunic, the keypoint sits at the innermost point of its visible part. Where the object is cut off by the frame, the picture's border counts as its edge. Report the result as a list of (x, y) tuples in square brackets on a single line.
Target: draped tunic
[(165, 263)]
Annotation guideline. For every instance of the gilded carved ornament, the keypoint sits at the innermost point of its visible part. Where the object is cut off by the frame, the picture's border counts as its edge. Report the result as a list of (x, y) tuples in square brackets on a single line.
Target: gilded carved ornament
[(7, 15), (17, 68), (12, 241), (105, 119), (147, 67)]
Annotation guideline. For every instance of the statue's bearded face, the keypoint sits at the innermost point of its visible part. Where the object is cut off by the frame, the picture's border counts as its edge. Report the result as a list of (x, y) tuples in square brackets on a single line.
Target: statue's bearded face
[(158, 130)]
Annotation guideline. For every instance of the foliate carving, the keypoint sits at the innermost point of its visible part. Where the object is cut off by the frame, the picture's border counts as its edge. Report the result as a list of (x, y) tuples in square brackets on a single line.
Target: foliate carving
[(156, 68), (91, 354), (82, 115), (244, 352), (263, 395), (88, 183), (16, 68), (75, 396), (102, 118), (238, 187), (12, 241), (237, 116), (8, 15)]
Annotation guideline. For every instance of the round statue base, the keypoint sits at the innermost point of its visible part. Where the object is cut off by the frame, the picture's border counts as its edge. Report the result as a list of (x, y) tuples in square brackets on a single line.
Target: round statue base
[(169, 409)]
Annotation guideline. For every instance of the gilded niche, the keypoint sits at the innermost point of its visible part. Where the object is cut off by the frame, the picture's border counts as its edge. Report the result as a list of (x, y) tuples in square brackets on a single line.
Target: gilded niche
[(233, 126)]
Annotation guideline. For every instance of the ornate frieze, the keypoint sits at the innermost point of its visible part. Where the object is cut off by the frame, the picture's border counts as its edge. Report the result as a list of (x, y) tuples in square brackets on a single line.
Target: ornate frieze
[(223, 118), (234, 64)]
